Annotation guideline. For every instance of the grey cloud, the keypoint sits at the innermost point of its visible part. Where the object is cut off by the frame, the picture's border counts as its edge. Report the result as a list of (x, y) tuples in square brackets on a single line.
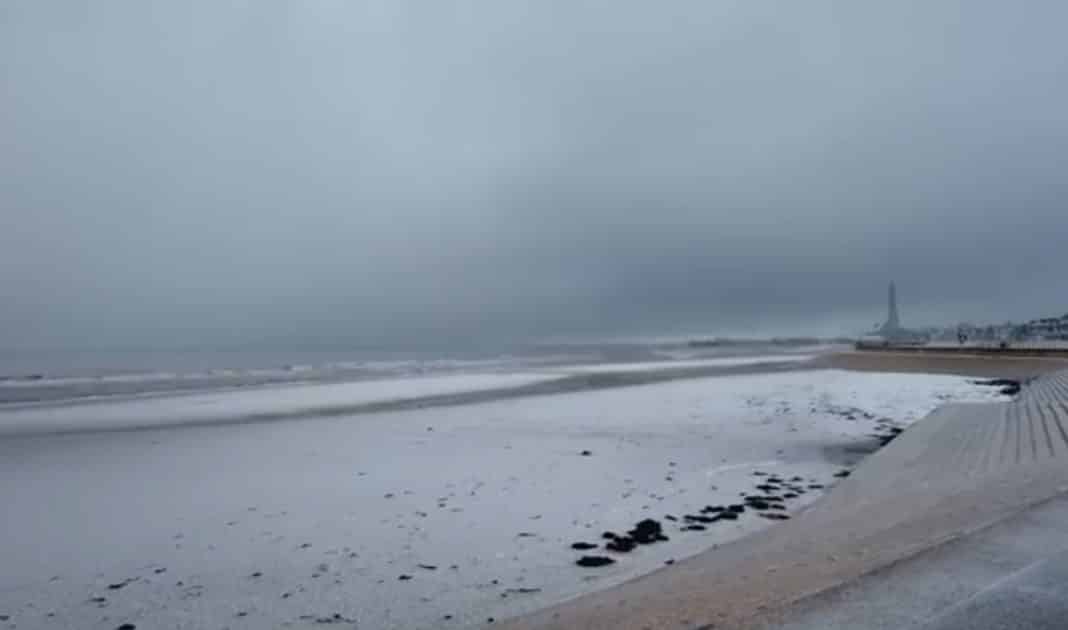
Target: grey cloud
[(376, 171)]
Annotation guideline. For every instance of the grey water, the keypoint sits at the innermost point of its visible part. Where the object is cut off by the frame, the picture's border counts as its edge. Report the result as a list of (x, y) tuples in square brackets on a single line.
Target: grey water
[(31, 376)]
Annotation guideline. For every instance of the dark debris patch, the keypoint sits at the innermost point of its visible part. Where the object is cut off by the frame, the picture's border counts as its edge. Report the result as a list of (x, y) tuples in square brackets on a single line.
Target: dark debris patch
[(594, 561), (123, 584), (621, 544), (1008, 387), (774, 516), (646, 532), (583, 546)]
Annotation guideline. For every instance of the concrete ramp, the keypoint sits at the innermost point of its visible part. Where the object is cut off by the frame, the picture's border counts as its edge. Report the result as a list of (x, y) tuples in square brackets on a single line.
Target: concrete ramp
[(959, 470)]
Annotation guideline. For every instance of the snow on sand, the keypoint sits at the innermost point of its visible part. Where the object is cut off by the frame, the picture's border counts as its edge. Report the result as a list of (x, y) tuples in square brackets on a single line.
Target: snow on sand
[(425, 518), (230, 405)]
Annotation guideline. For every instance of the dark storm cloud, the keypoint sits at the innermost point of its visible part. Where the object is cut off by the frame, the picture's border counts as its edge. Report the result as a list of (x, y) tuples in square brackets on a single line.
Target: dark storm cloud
[(371, 171)]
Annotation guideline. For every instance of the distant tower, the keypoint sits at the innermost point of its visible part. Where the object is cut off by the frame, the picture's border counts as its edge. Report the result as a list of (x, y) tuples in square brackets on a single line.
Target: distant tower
[(892, 322)]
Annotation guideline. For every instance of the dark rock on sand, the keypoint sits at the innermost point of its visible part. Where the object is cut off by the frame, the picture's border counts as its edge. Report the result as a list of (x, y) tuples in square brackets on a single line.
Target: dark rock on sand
[(586, 453), (775, 517), (594, 561), (842, 474), (729, 516), (767, 487), (758, 505), (668, 517), (127, 626), (736, 508), (404, 578), (117, 585), (622, 544), (708, 509), (694, 528), (609, 535), (583, 546), (427, 567), (690, 518), (646, 532), (815, 486), (790, 495)]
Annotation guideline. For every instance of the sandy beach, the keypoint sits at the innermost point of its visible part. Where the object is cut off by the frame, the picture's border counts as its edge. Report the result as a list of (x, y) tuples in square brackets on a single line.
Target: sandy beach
[(983, 366), (441, 516)]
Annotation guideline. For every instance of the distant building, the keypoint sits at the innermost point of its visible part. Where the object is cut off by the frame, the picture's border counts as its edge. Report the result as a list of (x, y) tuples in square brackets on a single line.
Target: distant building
[(1049, 327)]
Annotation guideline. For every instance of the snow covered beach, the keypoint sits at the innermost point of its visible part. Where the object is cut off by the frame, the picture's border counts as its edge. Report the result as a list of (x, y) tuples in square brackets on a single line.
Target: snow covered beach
[(416, 518)]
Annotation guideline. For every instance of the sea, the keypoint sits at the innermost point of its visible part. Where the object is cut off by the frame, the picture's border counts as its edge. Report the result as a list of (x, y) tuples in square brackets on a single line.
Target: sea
[(42, 376)]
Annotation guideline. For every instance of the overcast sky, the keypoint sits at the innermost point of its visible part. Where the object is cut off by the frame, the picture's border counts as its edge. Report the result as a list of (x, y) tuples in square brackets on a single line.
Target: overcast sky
[(371, 171)]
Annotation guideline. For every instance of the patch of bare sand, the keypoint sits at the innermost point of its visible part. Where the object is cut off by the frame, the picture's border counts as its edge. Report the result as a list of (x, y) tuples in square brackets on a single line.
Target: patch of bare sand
[(979, 366)]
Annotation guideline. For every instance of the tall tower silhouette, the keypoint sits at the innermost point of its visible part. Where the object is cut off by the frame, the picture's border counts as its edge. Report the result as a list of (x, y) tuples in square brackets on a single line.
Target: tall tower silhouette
[(892, 328), (892, 321)]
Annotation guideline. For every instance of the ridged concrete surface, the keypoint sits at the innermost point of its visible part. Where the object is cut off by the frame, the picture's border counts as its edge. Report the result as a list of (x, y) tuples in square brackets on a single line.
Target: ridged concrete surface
[(957, 471), (1013, 575)]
